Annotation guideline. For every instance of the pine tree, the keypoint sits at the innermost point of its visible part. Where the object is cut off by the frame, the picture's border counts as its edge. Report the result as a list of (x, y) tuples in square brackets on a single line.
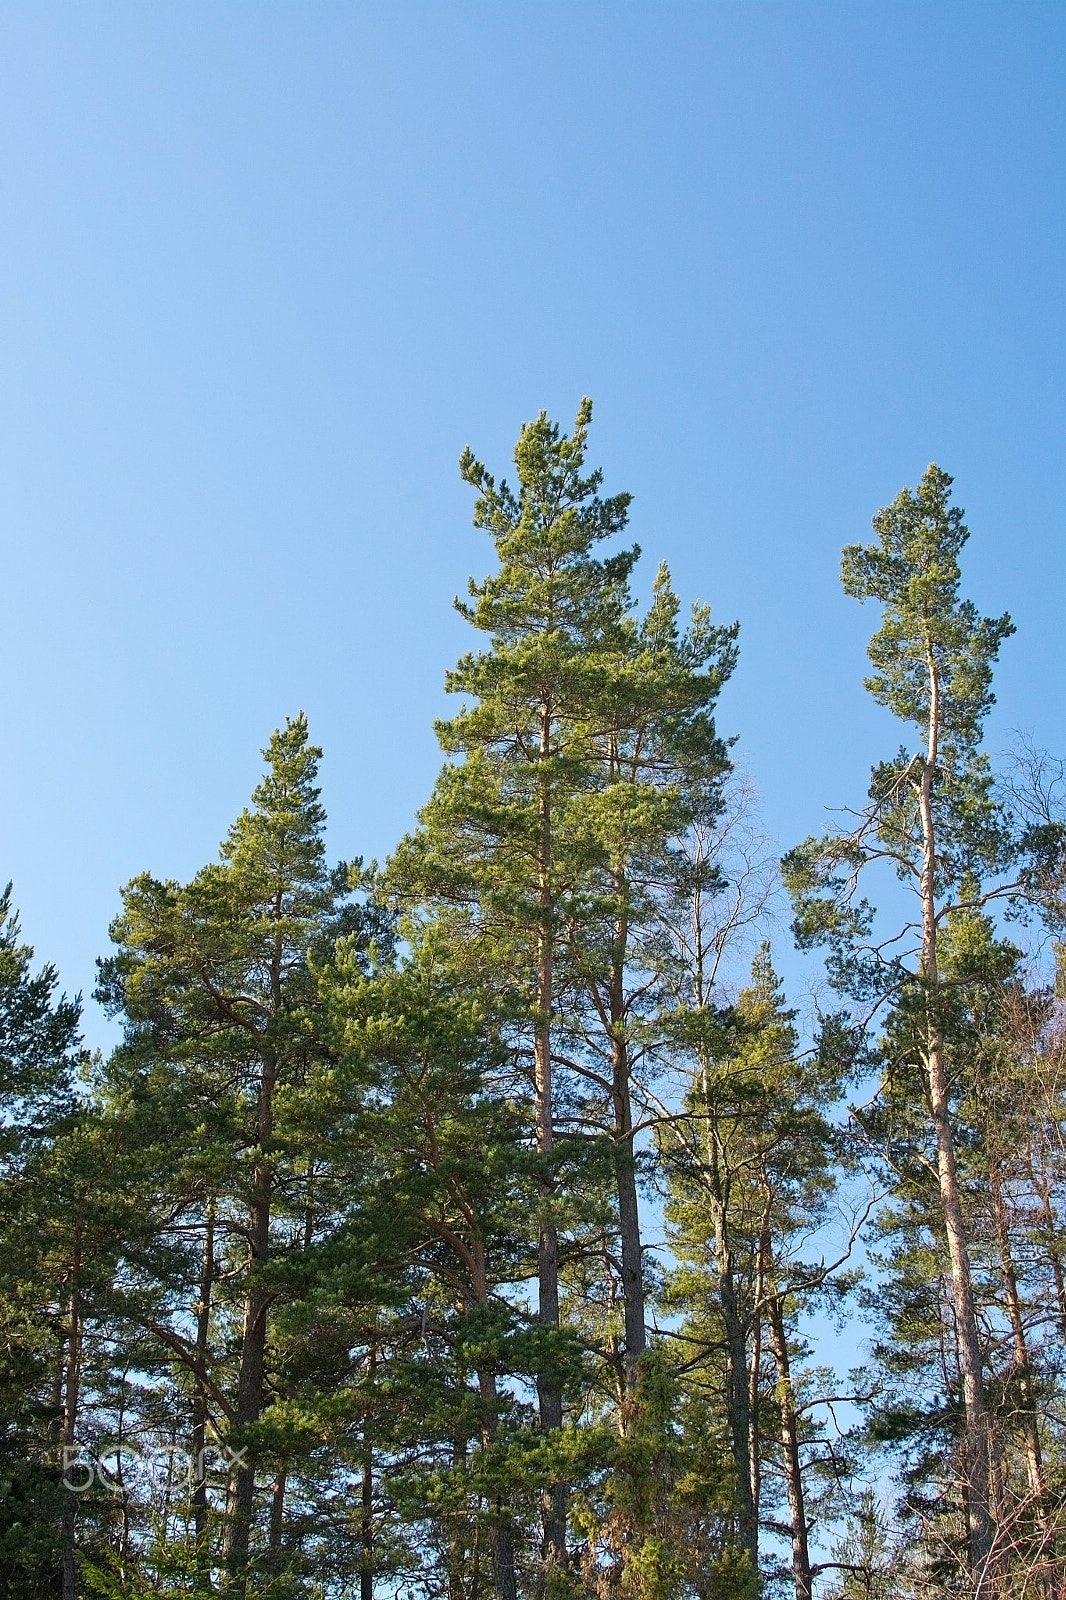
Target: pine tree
[(214, 982), (752, 1171), (933, 815), (659, 765), (452, 1189), (996, 1109), (502, 852), (39, 1060), (591, 734)]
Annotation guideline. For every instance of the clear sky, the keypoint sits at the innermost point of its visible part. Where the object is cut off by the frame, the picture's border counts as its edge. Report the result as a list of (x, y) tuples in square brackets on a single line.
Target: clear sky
[(265, 268)]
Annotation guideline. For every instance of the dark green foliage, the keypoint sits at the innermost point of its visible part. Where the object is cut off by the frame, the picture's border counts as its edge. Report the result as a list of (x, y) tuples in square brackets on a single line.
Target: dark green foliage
[(39, 1059)]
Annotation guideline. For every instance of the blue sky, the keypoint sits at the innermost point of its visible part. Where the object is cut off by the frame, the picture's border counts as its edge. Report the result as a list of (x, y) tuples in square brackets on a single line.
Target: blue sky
[(266, 268)]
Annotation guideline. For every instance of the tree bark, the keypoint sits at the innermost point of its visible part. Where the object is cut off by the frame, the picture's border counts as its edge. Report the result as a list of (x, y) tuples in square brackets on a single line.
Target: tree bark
[(633, 1309), (736, 1337), (252, 1376), (199, 1396), (762, 1258), (455, 1556), (801, 1560), (277, 1520), (1030, 1429), (549, 1384), (251, 1380), (978, 1441), (71, 1400), (500, 1541), (1042, 1189), (366, 1530)]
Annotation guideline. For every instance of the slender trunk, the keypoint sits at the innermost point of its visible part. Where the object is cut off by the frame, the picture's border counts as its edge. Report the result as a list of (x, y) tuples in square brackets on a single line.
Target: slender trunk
[(1042, 1189), (122, 1493), (1030, 1428), (366, 1495), (801, 1561), (633, 1309), (309, 1207), (277, 1519), (455, 1555), (736, 1336), (71, 1399), (978, 1441), (168, 1492), (762, 1262), (251, 1380), (252, 1377), (549, 1381), (737, 1394), (199, 1397), (500, 1541), (366, 1529), (612, 1349), (737, 1390)]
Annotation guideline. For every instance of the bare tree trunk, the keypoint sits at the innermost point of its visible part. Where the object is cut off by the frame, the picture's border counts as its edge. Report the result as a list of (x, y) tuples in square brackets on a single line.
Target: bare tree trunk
[(801, 1561)]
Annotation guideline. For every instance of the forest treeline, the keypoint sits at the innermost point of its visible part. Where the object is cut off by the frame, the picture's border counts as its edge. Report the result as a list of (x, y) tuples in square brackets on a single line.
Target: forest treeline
[(472, 1227)]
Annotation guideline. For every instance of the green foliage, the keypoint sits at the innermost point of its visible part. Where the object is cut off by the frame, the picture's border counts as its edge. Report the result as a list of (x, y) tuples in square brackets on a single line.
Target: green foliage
[(914, 573), (39, 1060), (353, 1239)]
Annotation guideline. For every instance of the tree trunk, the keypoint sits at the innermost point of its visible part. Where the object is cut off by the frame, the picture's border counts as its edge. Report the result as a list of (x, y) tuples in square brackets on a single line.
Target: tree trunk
[(252, 1378), (71, 1399), (199, 1397), (736, 1337), (1042, 1189), (737, 1391), (500, 1541), (1030, 1428), (801, 1561), (366, 1530), (366, 1495), (549, 1384), (455, 1555), (277, 1520), (628, 1204), (762, 1258), (978, 1441), (633, 1309)]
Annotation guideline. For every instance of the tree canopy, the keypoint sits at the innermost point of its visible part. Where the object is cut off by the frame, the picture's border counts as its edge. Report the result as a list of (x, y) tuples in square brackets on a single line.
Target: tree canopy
[(484, 1224)]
